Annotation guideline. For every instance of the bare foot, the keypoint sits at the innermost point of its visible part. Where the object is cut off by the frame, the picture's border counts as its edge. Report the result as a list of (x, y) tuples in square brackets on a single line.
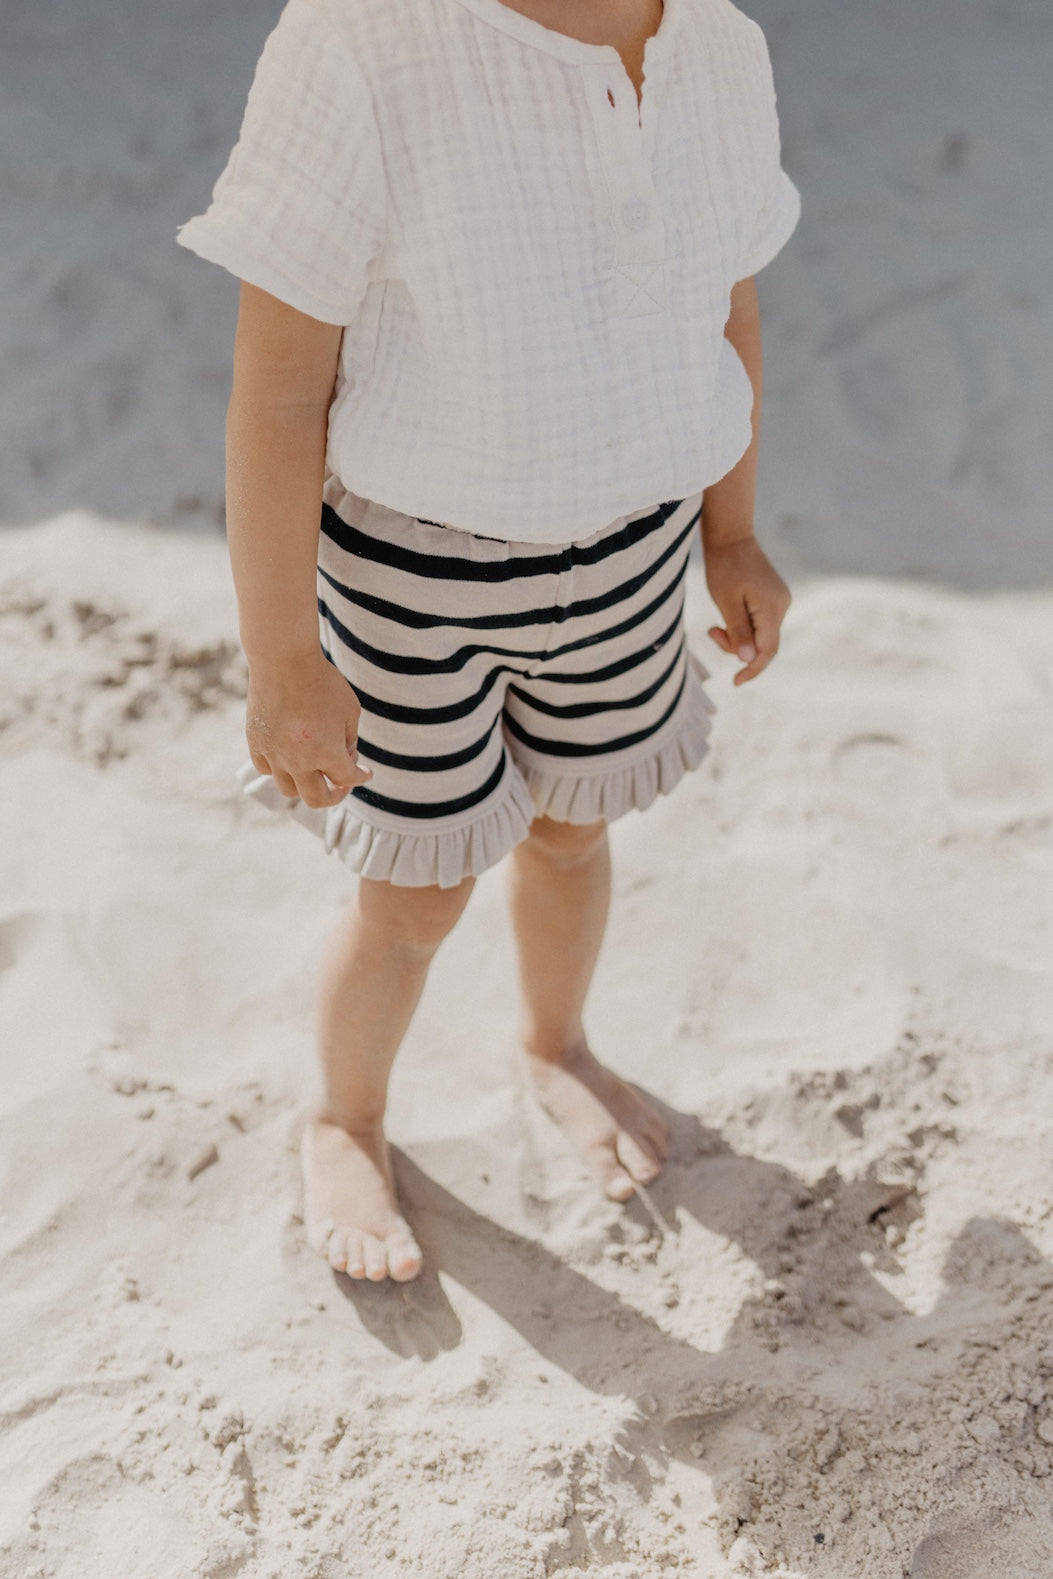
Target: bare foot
[(350, 1209), (623, 1139)]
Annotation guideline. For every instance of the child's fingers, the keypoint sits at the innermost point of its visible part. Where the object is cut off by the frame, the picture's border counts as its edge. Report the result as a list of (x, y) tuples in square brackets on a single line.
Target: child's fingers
[(755, 661), (766, 644), (742, 634), (285, 782), (739, 640), (359, 774), (318, 790), (751, 671), (743, 648), (316, 787), (345, 770), (753, 599)]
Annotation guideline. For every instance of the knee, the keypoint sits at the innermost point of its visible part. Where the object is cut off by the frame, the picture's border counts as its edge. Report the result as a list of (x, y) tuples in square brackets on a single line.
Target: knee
[(414, 921), (566, 844)]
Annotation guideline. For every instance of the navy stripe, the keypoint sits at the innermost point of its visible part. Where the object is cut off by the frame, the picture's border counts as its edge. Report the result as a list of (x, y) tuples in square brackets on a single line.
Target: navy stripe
[(577, 748), (624, 626), (400, 713), (446, 808), (398, 663), (443, 567), (587, 709), (613, 670), (410, 663), (455, 759), (404, 713), (553, 615)]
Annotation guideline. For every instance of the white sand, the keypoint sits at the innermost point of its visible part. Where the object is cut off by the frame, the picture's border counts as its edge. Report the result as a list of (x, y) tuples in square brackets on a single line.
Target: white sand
[(827, 1350)]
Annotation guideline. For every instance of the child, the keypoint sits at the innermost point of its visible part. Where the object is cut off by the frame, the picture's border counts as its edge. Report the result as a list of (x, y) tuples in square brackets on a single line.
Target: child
[(498, 324)]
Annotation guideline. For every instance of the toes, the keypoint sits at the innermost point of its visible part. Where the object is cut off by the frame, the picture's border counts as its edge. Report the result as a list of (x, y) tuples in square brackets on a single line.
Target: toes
[(616, 1183), (639, 1163), (319, 1233), (405, 1264), (366, 1256), (649, 1127), (335, 1251), (356, 1261), (618, 1186), (619, 1168), (658, 1138), (404, 1256), (376, 1258)]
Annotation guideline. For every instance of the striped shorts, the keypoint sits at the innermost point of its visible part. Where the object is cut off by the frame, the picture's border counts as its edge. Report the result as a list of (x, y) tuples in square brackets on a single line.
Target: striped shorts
[(499, 682)]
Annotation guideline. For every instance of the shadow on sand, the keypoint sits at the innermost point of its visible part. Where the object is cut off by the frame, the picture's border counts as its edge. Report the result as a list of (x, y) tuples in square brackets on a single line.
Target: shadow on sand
[(818, 1247)]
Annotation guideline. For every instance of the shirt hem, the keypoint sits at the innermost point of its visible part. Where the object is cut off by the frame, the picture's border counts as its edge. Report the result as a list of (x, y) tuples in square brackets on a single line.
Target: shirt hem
[(511, 530)]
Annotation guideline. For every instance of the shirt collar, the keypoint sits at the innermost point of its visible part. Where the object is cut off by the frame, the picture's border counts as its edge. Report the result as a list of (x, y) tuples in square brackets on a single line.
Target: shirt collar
[(572, 50)]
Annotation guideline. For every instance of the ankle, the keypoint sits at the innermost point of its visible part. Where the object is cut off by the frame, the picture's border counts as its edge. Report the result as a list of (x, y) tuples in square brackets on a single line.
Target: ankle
[(360, 1122), (549, 1046)]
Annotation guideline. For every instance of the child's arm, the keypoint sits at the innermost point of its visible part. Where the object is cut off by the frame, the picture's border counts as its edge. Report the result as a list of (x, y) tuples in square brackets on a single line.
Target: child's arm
[(302, 716), (750, 595)]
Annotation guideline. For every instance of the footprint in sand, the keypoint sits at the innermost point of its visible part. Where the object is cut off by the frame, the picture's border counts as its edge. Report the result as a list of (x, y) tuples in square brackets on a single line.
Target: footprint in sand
[(885, 765), (972, 1553)]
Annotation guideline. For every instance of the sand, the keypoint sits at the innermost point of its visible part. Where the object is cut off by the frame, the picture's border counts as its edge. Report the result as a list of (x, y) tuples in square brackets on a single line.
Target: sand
[(822, 1346)]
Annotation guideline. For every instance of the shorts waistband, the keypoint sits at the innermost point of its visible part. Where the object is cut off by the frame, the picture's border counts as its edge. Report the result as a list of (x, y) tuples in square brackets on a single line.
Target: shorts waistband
[(667, 505)]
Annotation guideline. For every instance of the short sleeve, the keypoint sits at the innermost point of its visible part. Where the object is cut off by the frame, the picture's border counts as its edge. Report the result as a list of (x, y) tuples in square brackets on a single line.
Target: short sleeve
[(301, 209), (779, 203), (775, 227)]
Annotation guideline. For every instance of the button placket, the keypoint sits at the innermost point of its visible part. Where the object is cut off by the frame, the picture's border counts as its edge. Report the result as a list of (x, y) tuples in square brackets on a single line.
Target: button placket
[(639, 231)]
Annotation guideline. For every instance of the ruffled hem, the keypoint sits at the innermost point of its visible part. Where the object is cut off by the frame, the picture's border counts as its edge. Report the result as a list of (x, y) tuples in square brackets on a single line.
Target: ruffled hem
[(608, 795), (442, 857)]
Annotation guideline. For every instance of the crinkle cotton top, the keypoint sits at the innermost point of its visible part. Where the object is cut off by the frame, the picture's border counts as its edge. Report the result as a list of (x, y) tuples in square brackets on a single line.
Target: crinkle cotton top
[(532, 271)]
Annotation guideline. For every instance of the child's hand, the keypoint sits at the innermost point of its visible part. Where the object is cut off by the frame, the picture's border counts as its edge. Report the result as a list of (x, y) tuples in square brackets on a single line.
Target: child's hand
[(752, 597), (302, 728)]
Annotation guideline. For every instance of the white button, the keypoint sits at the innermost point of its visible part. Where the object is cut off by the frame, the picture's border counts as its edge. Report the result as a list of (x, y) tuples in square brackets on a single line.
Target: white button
[(635, 214)]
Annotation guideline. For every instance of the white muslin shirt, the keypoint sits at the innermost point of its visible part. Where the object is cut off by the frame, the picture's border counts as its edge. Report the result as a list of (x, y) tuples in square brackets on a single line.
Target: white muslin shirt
[(533, 272)]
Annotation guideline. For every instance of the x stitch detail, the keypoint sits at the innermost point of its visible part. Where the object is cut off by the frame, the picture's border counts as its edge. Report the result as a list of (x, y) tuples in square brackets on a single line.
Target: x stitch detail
[(640, 289)]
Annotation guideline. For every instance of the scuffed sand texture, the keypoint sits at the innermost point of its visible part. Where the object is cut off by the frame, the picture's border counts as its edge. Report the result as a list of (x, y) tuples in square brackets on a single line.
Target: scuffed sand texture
[(824, 1350)]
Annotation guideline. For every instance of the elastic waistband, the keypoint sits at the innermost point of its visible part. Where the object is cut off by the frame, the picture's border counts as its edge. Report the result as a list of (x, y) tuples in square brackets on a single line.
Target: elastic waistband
[(668, 506)]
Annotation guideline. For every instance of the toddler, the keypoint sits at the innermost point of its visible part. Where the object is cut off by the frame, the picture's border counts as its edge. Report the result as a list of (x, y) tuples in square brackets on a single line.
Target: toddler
[(497, 352)]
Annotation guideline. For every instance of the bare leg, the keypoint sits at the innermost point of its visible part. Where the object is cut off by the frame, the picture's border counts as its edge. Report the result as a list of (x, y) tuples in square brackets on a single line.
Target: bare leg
[(559, 890), (372, 978)]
